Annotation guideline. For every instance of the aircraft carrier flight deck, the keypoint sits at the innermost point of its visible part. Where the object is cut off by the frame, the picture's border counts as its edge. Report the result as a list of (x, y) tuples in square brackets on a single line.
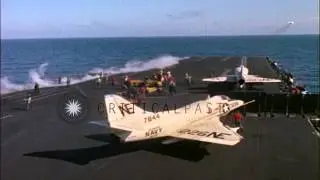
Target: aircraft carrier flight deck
[(38, 144)]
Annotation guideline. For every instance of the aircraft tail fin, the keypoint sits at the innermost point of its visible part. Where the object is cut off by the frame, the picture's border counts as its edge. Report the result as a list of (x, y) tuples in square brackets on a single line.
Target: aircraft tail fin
[(122, 114), (244, 61)]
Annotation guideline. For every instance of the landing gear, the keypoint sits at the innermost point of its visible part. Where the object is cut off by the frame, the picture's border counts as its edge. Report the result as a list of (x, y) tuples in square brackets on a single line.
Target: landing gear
[(241, 83)]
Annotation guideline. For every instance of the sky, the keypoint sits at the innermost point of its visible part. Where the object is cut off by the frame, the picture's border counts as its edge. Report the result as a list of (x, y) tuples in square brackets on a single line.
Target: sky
[(139, 18)]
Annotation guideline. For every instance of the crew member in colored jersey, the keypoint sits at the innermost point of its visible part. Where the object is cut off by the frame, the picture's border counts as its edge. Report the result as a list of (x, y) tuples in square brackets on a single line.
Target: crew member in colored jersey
[(142, 93), (99, 82), (68, 81), (238, 118), (59, 80), (169, 76), (126, 83), (36, 88), (112, 80), (172, 87), (28, 102), (187, 79)]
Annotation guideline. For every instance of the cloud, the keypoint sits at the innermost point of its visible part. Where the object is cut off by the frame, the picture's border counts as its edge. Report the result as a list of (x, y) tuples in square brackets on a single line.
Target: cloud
[(186, 15)]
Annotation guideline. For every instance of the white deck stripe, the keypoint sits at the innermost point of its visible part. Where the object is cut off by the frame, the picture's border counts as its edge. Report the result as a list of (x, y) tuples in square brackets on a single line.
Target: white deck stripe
[(21, 94), (6, 116), (43, 97), (226, 58)]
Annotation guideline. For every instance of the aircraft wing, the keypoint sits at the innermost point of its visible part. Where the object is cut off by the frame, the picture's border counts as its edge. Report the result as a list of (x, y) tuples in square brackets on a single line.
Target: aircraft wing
[(257, 79), (209, 130), (229, 78)]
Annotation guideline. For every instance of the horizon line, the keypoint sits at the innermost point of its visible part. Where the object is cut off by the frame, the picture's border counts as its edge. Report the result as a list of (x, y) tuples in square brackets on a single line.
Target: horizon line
[(164, 36)]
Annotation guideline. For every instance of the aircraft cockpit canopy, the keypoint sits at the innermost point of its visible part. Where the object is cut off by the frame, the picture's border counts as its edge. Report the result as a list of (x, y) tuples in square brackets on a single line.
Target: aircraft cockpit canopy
[(221, 98)]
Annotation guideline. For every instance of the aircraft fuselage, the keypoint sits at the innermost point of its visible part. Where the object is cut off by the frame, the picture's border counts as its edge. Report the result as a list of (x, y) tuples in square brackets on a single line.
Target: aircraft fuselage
[(241, 73), (163, 123)]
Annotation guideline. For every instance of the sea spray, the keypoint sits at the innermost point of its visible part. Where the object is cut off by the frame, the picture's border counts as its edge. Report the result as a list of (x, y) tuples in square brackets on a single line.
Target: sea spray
[(39, 75), (7, 86), (137, 66)]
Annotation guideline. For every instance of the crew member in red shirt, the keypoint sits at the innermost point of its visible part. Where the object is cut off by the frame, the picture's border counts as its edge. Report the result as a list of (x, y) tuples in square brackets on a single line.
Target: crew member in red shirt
[(238, 119)]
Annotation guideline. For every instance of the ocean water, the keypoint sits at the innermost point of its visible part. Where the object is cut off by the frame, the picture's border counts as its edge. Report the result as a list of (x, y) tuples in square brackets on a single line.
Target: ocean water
[(24, 62)]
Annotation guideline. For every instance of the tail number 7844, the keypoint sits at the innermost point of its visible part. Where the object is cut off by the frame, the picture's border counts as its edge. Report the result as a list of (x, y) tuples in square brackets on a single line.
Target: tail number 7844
[(151, 118)]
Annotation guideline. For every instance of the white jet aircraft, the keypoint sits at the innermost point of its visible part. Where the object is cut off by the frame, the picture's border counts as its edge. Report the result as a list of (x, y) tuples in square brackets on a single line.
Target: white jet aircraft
[(242, 77), (199, 121)]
